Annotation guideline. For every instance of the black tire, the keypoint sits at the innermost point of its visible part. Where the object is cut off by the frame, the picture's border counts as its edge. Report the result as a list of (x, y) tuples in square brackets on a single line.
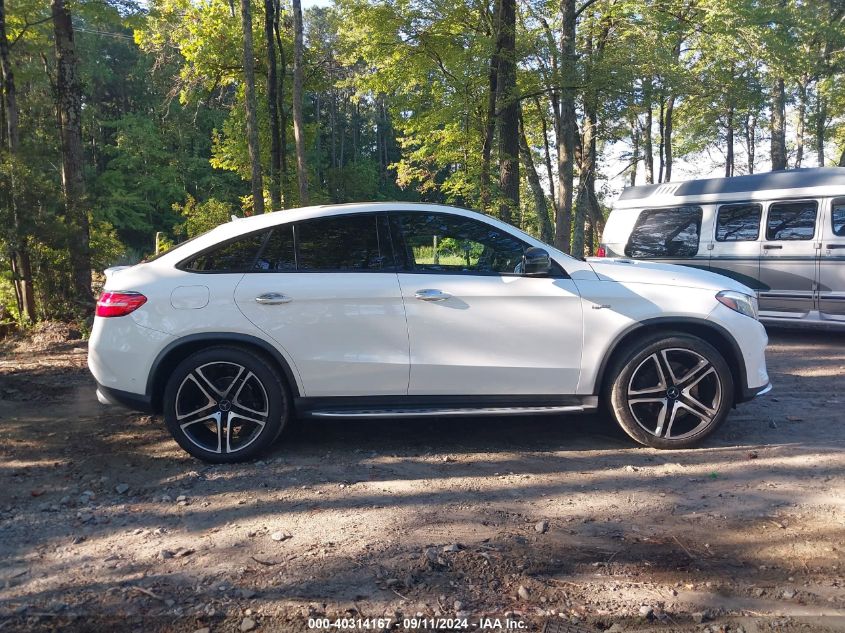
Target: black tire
[(670, 390), (225, 404)]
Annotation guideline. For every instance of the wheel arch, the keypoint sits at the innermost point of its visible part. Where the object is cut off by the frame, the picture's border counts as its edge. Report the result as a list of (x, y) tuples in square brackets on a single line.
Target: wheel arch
[(712, 333), (178, 350)]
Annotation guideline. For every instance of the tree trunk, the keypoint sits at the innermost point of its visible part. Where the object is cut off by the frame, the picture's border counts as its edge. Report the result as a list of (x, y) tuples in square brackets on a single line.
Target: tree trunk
[(566, 128), (648, 150), (547, 151), (635, 149), (661, 121), (821, 125), (587, 175), (801, 125), (750, 140), (21, 266), (490, 121), (256, 180), (273, 107), (280, 103), (842, 159), (69, 114), (298, 129), (729, 156), (10, 106), (508, 111), (546, 230), (667, 136), (778, 126)]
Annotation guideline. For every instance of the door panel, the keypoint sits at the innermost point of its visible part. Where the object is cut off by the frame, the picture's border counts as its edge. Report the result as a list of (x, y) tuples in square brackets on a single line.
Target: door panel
[(328, 294), (832, 263), (345, 331), (735, 250), (493, 335), (788, 259)]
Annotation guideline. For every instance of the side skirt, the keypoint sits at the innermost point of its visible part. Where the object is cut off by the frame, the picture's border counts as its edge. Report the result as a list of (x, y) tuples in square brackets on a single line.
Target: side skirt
[(369, 407)]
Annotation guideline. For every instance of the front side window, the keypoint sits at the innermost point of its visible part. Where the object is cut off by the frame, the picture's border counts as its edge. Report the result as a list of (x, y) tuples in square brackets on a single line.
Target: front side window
[(791, 221), (838, 217), (444, 243), (738, 222), (344, 243), (673, 232), (234, 256)]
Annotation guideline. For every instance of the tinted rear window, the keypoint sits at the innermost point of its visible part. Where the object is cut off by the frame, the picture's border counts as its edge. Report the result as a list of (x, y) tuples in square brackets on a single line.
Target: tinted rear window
[(235, 256), (278, 255), (789, 221), (673, 232), (350, 243), (838, 217), (738, 222)]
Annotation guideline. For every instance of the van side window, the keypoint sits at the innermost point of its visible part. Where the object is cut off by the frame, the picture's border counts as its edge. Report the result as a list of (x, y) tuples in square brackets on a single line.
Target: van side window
[(673, 232), (792, 220), (838, 217), (738, 222)]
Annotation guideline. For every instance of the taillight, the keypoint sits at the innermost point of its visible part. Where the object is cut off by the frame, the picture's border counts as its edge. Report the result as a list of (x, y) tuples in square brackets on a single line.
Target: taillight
[(601, 251), (116, 304)]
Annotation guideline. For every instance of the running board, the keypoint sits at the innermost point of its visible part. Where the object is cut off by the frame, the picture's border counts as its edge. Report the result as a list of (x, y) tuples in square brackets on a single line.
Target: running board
[(432, 413)]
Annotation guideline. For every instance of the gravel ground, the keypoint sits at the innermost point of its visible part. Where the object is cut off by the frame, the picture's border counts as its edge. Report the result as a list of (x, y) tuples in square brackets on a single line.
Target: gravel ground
[(105, 523)]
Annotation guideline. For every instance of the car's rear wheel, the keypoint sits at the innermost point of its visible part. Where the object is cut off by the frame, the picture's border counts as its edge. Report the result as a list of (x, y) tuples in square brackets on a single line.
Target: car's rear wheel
[(225, 404), (671, 391)]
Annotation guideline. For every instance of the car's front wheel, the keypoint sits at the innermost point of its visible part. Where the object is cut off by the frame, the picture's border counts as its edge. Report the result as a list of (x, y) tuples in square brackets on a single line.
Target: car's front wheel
[(225, 404), (671, 391)]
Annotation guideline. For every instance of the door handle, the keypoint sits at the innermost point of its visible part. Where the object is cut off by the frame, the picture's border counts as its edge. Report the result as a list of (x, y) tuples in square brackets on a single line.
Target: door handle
[(431, 294), (772, 247), (834, 246), (273, 299)]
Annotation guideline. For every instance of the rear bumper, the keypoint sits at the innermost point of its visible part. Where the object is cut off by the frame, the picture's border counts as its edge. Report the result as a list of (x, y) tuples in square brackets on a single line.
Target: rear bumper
[(749, 393), (135, 401)]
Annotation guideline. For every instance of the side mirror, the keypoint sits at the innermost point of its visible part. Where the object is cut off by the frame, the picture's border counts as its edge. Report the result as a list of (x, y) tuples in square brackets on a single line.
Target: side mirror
[(536, 262)]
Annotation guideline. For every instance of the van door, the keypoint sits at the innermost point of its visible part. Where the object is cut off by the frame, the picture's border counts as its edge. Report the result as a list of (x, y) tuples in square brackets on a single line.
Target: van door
[(735, 250), (832, 263), (788, 259)]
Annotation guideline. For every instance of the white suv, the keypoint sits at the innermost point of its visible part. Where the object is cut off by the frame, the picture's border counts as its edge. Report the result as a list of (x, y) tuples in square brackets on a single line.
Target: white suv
[(415, 310)]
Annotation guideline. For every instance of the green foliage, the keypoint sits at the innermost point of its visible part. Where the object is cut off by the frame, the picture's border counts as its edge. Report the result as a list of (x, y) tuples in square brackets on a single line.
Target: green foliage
[(202, 216), (395, 105)]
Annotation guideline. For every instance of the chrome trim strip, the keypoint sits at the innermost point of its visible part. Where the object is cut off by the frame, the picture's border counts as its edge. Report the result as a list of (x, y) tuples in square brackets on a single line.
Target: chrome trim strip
[(425, 413)]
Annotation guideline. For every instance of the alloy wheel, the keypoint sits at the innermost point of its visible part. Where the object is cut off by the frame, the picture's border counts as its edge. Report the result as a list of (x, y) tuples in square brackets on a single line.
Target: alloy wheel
[(674, 393), (222, 407)]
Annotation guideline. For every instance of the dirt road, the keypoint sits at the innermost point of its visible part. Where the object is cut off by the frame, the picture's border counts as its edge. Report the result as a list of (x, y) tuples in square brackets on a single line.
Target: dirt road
[(104, 522)]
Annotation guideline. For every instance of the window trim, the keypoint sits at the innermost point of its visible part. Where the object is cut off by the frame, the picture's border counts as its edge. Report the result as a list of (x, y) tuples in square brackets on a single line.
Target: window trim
[(720, 206), (833, 203), (772, 203), (645, 210), (408, 267)]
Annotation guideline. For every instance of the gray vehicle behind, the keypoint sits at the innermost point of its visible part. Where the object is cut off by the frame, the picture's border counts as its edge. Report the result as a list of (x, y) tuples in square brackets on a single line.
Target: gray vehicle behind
[(780, 233)]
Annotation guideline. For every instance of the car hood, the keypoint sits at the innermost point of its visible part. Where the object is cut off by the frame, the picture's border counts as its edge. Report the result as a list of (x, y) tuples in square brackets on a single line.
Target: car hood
[(635, 271)]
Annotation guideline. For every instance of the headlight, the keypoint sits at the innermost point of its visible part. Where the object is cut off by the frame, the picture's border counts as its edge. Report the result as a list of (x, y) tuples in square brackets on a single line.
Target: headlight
[(739, 301)]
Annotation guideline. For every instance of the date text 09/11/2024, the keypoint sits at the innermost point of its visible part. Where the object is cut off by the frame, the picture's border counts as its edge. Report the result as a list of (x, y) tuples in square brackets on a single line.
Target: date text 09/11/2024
[(434, 624)]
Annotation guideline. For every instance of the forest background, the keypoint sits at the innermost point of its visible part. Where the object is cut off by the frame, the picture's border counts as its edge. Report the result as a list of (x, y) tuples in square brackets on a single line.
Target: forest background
[(130, 125)]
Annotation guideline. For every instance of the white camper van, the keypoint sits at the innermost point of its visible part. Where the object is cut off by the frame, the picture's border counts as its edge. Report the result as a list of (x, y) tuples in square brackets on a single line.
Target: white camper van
[(781, 233)]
